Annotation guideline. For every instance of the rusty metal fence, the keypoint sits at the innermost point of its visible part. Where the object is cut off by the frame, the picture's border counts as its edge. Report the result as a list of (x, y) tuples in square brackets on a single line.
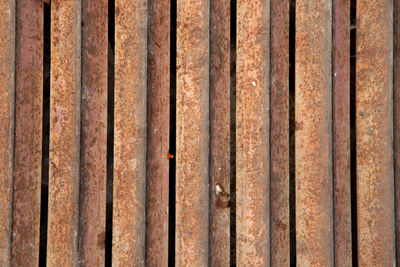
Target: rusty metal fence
[(199, 133)]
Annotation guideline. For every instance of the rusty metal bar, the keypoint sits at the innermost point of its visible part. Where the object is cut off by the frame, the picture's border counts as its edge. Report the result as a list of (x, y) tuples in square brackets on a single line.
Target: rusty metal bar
[(94, 132), (341, 132), (129, 196), (280, 225), (28, 133), (158, 117), (65, 82), (252, 134), (7, 89), (192, 132), (374, 133), (313, 140), (396, 114), (220, 133)]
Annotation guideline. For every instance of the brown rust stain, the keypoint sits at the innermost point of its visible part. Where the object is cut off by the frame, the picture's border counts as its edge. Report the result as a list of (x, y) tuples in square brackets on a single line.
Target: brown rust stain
[(313, 144), (129, 188), (252, 122), (28, 133), (374, 133), (192, 131), (158, 117), (94, 131)]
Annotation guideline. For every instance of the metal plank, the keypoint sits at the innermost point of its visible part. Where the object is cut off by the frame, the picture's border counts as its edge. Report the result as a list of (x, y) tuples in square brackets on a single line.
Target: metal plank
[(65, 86), (192, 133), (374, 133), (158, 116), (7, 89), (252, 134), (94, 132), (280, 225), (313, 133), (28, 133), (129, 196), (220, 133), (341, 132)]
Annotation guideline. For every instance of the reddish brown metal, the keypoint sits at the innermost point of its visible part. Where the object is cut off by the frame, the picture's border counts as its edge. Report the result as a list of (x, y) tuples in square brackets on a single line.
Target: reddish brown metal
[(220, 133), (28, 133), (94, 132), (192, 131), (374, 133), (313, 131), (280, 227), (7, 88), (65, 82), (129, 196), (158, 56), (252, 134), (396, 95), (341, 132)]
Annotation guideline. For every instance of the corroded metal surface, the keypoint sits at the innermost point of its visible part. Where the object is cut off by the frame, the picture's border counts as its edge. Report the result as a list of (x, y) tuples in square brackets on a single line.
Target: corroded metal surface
[(7, 83), (65, 82), (220, 133), (158, 132), (94, 132), (252, 134), (396, 114), (341, 132), (192, 133), (28, 133), (314, 225), (280, 227), (374, 120), (128, 241)]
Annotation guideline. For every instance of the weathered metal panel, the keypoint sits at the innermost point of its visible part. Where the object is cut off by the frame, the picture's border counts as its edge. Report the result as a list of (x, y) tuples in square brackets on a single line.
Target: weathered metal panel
[(280, 224), (65, 93), (374, 133), (28, 133), (252, 134), (313, 133), (128, 241), (158, 117), (341, 132), (94, 132), (7, 89), (220, 133), (192, 133)]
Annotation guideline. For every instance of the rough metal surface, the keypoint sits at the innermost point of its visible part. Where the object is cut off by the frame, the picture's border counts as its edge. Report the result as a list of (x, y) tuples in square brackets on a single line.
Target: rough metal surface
[(7, 89), (341, 132), (158, 132), (252, 134), (374, 133), (94, 132), (220, 133), (128, 241), (280, 227), (192, 133), (313, 141), (28, 133), (396, 109), (65, 82)]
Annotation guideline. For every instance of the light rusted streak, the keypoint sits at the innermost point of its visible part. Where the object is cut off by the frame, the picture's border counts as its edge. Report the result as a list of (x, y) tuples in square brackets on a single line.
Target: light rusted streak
[(130, 133), (252, 139), (192, 131), (374, 133), (220, 133), (341, 132), (158, 133), (396, 95), (7, 88), (94, 132), (65, 82), (280, 227), (313, 141), (28, 133)]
